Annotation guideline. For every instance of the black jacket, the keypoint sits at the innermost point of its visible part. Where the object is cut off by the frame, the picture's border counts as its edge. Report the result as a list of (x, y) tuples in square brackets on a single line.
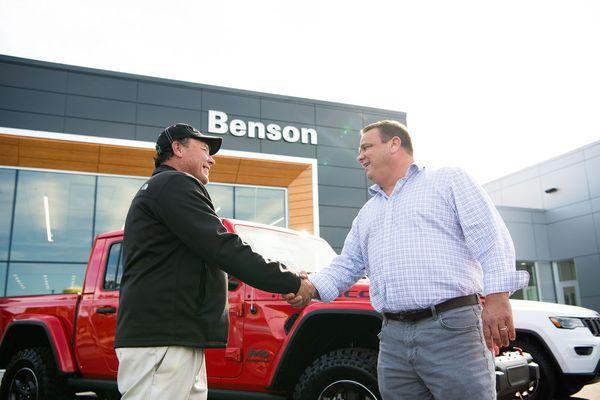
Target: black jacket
[(174, 288)]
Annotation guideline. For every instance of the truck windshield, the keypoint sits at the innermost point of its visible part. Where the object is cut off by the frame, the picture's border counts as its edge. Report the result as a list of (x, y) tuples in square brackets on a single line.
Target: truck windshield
[(297, 251)]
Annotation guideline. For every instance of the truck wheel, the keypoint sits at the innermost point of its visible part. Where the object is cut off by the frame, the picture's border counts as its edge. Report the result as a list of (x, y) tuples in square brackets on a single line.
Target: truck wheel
[(340, 374), (32, 374), (570, 389), (547, 385)]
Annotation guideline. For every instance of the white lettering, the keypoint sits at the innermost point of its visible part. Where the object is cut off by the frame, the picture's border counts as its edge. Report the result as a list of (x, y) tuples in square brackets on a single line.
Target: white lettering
[(309, 132), (291, 134), (217, 122), (237, 127), (256, 129), (273, 132)]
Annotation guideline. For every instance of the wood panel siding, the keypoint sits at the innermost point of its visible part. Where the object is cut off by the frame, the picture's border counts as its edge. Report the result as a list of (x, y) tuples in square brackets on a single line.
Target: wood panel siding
[(23, 151), (300, 198), (9, 150)]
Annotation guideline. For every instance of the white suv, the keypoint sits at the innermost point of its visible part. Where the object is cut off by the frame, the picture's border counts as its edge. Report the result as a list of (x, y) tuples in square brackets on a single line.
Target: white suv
[(565, 342)]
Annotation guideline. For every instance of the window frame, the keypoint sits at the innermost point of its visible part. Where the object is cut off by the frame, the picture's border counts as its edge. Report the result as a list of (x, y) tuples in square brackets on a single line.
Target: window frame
[(119, 265), (538, 286), (282, 188), (559, 285)]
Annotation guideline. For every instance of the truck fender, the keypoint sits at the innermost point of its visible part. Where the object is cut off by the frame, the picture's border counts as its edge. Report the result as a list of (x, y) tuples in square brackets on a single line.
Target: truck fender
[(60, 343), (309, 314)]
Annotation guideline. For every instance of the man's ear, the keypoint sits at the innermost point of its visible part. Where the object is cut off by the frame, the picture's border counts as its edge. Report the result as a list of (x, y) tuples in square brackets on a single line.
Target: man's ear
[(395, 144), (177, 148)]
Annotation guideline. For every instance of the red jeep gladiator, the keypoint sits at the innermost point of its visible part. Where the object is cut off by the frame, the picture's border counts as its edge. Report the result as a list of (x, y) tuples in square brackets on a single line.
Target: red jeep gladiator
[(58, 344)]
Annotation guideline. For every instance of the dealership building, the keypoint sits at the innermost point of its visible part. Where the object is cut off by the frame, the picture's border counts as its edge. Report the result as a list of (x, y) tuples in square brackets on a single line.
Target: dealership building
[(552, 211), (77, 143)]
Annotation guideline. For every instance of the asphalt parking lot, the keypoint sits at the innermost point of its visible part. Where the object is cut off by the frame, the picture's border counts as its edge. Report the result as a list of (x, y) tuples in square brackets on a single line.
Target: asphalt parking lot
[(589, 392)]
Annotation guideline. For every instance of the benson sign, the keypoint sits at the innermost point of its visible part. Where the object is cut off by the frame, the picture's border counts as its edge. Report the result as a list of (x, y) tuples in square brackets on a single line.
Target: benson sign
[(217, 123)]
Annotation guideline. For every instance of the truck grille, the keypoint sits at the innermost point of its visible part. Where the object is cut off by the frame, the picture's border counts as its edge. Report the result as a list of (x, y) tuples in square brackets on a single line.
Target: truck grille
[(593, 324)]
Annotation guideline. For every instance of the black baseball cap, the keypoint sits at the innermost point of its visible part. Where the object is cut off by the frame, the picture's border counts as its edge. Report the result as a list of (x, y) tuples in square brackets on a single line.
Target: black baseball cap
[(180, 131)]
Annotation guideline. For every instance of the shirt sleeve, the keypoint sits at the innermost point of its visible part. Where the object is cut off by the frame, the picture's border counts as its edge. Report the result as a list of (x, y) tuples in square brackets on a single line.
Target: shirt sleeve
[(344, 270), (188, 213), (486, 235)]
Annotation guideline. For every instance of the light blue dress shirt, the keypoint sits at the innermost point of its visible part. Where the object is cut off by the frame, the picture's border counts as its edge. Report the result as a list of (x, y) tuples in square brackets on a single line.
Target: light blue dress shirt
[(437, 236)]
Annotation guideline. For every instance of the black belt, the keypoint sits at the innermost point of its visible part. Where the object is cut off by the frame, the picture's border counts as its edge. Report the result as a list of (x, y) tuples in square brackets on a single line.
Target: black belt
[(417, 315)]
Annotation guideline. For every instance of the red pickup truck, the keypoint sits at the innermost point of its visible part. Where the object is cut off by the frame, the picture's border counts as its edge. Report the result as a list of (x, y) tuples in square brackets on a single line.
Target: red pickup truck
[(55, 345)]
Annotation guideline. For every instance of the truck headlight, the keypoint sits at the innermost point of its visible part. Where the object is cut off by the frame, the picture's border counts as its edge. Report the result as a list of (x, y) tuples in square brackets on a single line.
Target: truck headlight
[(567, 322)]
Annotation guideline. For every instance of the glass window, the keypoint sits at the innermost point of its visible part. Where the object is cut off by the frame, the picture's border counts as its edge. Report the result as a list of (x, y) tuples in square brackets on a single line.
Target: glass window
[(298, 252), (3, 267), (41, 278), (53, 217), (57, 214), (531, 291), (222, 198), (570, 295), (567, 288), (114, 267), (264, 205), (566, 271), (7, 191), (113, 199)]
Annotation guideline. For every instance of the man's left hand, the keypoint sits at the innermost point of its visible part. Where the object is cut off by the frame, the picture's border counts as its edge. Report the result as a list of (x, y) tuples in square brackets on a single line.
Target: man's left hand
[(498, 327)]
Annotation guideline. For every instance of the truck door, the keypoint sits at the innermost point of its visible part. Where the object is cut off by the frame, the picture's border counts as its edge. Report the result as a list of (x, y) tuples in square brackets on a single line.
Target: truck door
[(227, 362), (97, 322), (97, 317)]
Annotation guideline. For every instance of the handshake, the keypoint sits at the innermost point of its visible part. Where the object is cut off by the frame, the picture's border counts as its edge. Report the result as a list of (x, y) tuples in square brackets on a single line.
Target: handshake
[(305, 294)]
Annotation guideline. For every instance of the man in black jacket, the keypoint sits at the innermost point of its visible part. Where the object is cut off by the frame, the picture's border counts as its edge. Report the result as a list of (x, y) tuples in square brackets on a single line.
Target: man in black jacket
[(173, 299)]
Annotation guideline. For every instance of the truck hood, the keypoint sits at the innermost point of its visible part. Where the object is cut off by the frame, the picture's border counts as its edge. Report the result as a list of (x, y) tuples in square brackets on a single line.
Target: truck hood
[(553, 309)]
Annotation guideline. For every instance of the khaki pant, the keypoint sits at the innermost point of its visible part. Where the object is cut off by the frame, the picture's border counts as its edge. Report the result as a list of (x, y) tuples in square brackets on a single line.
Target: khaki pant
[(159, 373)]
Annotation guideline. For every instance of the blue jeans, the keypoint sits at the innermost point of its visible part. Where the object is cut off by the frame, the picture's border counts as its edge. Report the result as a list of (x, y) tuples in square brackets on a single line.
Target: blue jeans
[(444, 357)]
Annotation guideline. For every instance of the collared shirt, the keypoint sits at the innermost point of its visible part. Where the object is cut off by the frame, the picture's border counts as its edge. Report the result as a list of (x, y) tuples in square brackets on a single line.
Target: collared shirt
[(437, 236)]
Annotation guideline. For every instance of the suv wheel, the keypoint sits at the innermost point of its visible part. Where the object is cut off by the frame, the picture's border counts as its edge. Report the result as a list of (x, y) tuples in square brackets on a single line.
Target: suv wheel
[(546, 387), (108, 395), (569, 389), (31, 375), (349, 374)]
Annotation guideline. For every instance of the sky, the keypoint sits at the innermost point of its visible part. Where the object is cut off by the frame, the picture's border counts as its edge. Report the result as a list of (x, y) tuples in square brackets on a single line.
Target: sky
[(490, 86)]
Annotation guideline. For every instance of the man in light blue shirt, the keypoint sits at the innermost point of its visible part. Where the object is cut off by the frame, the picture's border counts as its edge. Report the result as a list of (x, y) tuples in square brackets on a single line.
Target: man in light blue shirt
[(430, 241)]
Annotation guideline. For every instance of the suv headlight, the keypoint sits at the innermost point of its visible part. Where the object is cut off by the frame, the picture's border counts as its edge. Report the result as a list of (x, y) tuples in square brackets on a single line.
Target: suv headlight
[(567, 322)]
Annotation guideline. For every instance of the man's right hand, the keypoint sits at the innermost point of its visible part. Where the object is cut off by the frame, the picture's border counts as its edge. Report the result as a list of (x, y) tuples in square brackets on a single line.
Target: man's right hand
[(305, 294)]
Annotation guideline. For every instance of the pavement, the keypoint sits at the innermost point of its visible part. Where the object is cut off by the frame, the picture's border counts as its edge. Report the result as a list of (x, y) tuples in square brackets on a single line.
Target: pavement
[(589, 392)]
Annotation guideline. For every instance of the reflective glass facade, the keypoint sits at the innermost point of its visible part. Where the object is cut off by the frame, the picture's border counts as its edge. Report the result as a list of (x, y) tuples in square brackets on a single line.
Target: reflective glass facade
[(531, 291), (7, 193), (261, 205), (250, 203), (48, 221), (53, 217)]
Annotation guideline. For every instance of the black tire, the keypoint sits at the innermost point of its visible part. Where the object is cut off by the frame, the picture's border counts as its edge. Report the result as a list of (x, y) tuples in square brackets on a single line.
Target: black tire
[(569, 389), (351, 373), (32, 374), (548, 384), (107, 395)]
